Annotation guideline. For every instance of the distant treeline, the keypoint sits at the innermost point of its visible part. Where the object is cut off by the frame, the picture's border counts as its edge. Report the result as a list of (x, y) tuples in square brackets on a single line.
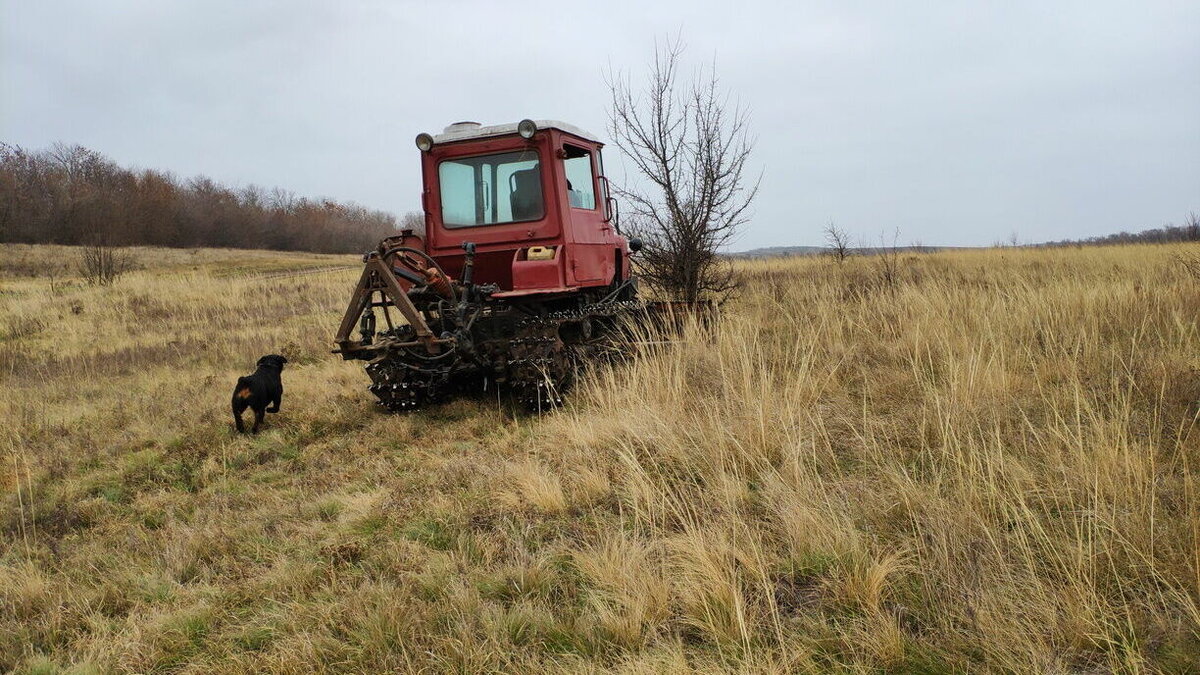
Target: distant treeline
[(1189, 231), (73, 195)]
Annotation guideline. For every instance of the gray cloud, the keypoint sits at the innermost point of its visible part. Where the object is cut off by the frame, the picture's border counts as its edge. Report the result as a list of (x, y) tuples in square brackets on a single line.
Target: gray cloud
[(955, 124)]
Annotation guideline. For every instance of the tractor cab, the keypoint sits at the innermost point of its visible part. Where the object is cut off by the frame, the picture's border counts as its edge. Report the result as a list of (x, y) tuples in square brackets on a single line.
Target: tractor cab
[(532, 199)]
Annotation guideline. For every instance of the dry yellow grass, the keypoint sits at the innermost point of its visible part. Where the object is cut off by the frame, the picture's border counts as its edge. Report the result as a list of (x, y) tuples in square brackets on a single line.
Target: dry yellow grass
[(988, 467)]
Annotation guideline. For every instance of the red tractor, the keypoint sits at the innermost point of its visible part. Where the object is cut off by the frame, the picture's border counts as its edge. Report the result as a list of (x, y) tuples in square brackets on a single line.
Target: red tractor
[(521, 273)]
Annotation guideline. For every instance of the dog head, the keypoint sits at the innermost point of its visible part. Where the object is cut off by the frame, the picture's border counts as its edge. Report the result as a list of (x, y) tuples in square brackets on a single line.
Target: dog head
[(272, 361)]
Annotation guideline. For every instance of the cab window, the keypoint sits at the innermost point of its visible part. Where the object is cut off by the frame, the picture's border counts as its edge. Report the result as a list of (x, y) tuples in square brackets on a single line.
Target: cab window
[(581, 191), (491, 189)]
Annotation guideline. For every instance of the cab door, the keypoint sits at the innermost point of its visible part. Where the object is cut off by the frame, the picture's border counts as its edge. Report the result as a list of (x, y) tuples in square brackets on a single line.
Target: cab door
[(594, 239)]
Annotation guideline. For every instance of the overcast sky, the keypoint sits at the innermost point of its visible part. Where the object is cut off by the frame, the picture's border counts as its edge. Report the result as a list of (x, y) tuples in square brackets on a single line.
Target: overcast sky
[(955, 123)]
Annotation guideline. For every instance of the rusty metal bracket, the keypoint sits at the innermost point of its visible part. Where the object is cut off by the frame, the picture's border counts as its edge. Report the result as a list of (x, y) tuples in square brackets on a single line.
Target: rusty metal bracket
[(378, 277)]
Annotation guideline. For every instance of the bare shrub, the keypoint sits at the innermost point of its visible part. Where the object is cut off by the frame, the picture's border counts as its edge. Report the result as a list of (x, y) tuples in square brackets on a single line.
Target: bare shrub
[(691, 147), (887, 263), (18, 327), (102, 265), (838, 242), (1190, 262)]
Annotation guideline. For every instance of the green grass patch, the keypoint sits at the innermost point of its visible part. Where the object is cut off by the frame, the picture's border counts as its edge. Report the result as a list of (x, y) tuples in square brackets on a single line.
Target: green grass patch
[(378, 523), (437, 534), (254, 638)]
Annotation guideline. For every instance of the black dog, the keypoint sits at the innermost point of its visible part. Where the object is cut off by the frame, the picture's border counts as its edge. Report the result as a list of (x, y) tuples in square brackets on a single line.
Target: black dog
[(257, 390)]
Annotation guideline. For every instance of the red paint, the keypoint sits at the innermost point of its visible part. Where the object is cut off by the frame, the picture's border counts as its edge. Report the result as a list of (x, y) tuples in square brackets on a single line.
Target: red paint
[(587, 248)]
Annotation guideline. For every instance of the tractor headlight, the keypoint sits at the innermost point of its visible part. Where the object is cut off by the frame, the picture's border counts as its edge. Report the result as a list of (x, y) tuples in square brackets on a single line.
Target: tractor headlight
[(527, 128), (424, 142)]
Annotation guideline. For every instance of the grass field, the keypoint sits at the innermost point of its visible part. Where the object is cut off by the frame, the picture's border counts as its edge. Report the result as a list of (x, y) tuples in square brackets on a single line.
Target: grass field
[(987, 462)]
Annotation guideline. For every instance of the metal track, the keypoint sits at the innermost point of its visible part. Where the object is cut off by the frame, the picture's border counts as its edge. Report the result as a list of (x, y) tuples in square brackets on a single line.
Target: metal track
[(538, 365)]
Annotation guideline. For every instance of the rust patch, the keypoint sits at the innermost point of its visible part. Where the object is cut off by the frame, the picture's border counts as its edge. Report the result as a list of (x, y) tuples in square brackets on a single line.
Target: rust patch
[(244, 393)]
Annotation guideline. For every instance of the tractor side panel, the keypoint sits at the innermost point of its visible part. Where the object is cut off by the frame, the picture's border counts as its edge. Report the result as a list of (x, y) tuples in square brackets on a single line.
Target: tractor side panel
[(591, 264), (530, 275), (491, 267)]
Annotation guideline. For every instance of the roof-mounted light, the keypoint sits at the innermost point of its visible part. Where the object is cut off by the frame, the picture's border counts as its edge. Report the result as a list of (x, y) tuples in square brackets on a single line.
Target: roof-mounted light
[(424, 142), (527, 128)]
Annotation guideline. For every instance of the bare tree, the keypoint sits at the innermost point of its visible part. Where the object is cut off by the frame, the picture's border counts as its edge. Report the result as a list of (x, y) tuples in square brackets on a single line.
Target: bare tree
[(689, 146), (102, 265), (888, 262), (1191, 227), (838, 242)]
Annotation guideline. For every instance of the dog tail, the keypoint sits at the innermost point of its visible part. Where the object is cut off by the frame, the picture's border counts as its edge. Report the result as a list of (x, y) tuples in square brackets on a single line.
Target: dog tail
[(242, 390)]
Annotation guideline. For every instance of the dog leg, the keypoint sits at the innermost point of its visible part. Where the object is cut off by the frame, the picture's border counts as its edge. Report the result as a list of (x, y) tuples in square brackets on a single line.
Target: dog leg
[(258, 418), (275, 404), (237, 421)]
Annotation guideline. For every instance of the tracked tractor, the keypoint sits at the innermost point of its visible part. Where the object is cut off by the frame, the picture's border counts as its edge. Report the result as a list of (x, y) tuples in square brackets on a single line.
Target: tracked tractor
[(520, 276)]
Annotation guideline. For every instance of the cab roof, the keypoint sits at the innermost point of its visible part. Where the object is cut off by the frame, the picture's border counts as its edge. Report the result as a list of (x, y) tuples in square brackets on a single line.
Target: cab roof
[(465, 131)]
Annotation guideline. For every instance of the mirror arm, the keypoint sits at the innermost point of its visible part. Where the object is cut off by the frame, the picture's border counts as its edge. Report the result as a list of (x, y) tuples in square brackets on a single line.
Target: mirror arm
[(611, 206)]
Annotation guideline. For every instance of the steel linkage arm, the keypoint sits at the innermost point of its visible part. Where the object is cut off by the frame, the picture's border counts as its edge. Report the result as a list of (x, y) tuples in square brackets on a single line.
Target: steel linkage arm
[(377, 276)]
